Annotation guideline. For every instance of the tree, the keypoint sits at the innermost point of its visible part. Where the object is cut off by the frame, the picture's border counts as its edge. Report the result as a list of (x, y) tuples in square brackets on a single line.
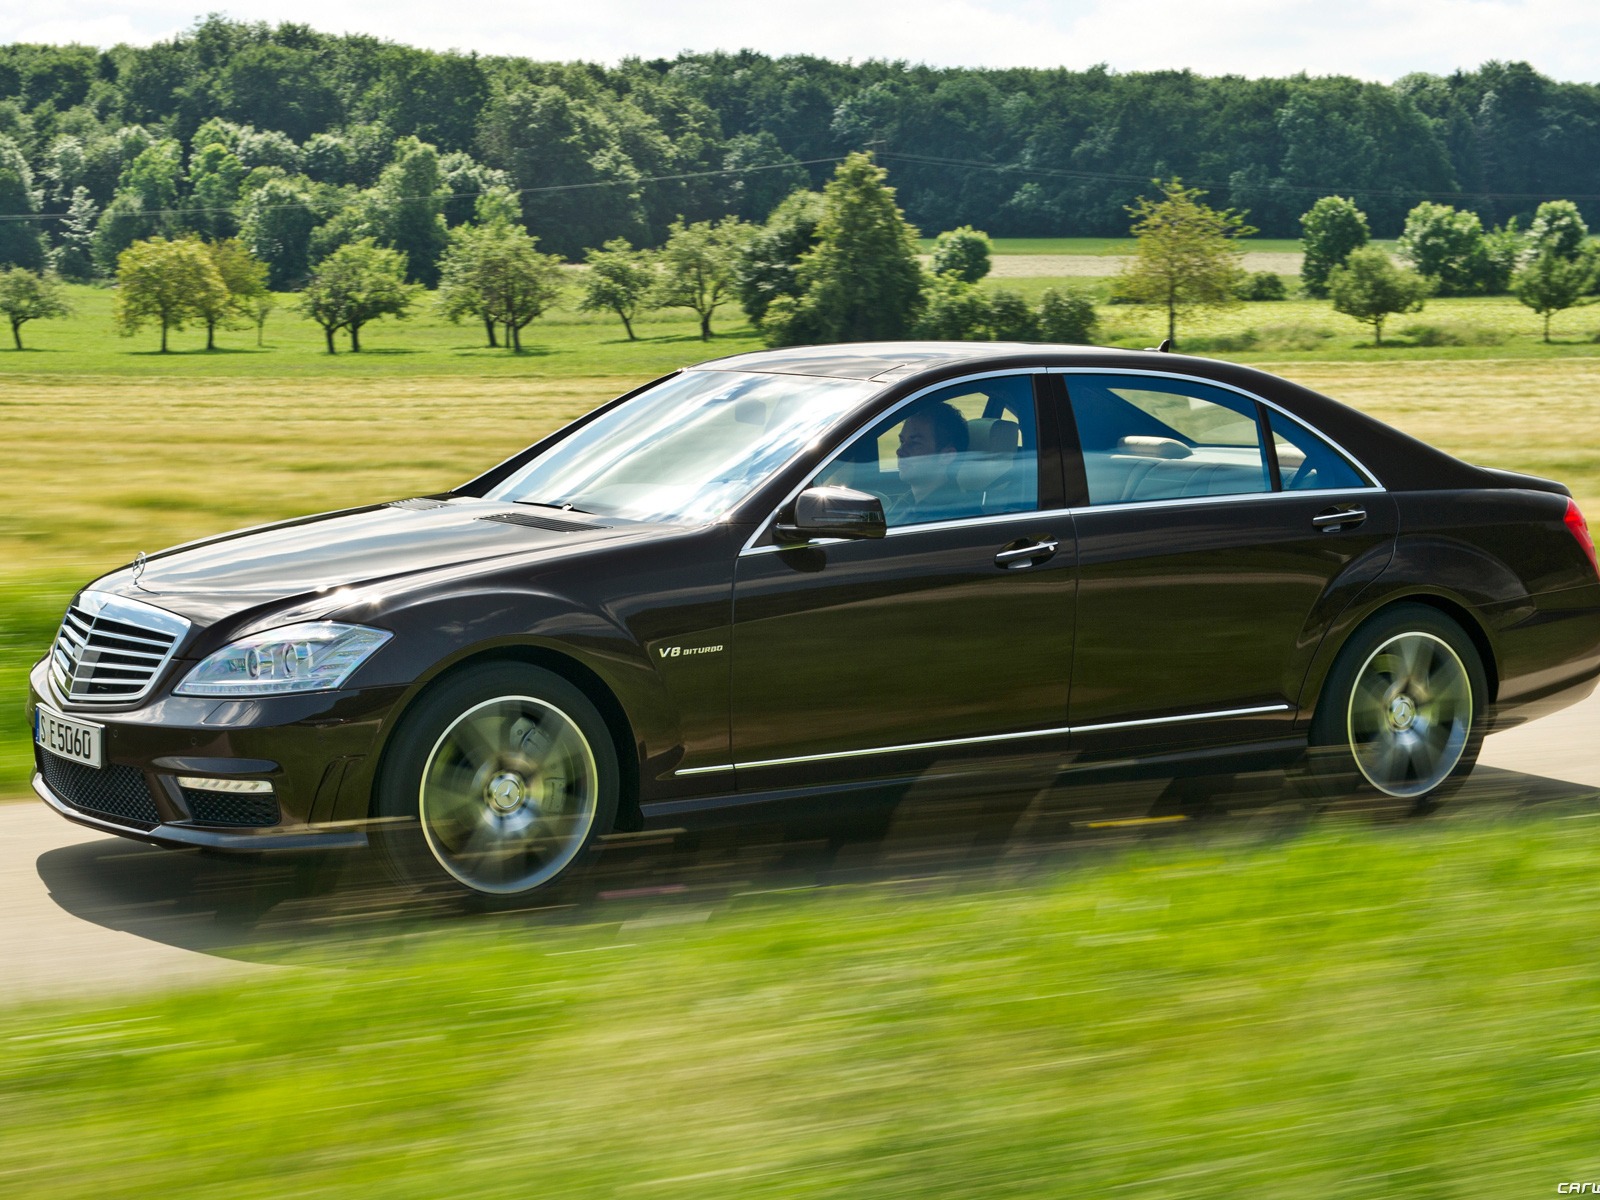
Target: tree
[(463, 276), (761, 175), (1552, 283), (20, 242), (1066, 317), (1010, 318), (1187, 257), (74, 253), (215, 178), (1369, 287), (861, 281), (953, 311), (28, 296), (1329, 230), (769, 261), (356, 284), (167, 283), (258, 308), (122, 224), (495, 273), (1261, 286), (244, 277), (962, 254), (406, 208), (620, 279), (698, 266), (1446, 245), (277, 225), (1557, 228)]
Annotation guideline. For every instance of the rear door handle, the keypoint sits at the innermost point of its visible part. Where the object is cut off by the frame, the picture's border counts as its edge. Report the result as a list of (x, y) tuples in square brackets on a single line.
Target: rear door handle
[(1332, 520), (1026, 555)]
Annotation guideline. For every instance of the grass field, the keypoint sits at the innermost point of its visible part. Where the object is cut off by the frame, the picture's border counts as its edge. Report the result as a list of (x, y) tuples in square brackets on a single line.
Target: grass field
[(1384, 1012)]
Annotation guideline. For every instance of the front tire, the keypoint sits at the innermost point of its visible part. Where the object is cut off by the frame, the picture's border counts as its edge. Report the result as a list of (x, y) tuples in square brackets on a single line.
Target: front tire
[(498, 782), (1403, 712)]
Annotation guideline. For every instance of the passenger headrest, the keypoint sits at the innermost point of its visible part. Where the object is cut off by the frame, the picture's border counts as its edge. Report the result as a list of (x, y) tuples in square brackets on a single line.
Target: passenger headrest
[(993, 435), (1152, 447)]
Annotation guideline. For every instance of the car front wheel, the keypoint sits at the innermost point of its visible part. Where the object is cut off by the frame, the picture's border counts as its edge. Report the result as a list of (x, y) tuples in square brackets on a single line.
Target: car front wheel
[(499, 781), (1403, 711)]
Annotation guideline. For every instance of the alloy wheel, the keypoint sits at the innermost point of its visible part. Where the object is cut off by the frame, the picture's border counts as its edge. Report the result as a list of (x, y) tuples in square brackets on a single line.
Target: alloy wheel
[(1410, 714), (509, 794)]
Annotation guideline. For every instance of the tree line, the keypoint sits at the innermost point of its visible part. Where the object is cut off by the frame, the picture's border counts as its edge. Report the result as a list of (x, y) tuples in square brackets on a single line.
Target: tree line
[(841, 265), (299, 142)]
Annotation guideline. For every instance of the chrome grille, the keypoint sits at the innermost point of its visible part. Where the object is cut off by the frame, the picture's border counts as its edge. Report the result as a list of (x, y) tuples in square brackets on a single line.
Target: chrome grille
[(111, 649)]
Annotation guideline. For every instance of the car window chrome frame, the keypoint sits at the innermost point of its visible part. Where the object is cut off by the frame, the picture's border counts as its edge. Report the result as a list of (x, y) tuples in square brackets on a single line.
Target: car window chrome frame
[(764, 526), (1372, 485)]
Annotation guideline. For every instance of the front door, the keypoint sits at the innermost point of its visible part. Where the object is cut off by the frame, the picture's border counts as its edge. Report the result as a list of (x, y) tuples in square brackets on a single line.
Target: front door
[(947, 640)]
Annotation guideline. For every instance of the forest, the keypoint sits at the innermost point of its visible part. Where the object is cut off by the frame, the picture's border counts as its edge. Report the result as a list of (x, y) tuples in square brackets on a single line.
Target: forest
[(299, 137)]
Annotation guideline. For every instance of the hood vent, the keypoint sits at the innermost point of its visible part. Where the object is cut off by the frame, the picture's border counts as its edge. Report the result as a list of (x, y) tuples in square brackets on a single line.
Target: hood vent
[(417, 504), (535, 521)]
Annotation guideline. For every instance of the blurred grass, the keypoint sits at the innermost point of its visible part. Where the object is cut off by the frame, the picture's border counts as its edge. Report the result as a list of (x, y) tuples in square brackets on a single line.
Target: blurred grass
[(1392, 1012)]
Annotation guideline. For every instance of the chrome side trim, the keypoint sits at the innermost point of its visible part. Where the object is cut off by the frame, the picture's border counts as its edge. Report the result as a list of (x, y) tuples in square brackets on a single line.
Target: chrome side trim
[(1216, 714), (1200, 716), (905, 746), (705, 770), (1372, 480)]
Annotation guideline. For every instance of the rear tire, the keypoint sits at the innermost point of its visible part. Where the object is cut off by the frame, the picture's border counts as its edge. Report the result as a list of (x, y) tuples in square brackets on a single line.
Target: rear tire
[(498, 782), (1403, 711)]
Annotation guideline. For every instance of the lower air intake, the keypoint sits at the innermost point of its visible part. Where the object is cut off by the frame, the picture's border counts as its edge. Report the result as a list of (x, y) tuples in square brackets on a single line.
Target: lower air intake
[(116, 792), (230, 808)]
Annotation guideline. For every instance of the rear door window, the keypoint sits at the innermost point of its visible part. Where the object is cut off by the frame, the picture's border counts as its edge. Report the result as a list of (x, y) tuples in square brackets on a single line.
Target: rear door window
[(1148, 438)]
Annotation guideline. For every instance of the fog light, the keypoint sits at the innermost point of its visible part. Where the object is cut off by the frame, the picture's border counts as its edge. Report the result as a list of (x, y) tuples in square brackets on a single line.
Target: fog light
[(201, 784)]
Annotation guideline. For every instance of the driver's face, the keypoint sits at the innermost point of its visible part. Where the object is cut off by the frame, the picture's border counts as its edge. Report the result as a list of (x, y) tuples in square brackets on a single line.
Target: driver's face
[(922, 464)]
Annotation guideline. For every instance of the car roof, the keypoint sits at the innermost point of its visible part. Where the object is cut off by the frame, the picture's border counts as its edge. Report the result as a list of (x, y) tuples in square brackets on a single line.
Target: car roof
[(891, 360)]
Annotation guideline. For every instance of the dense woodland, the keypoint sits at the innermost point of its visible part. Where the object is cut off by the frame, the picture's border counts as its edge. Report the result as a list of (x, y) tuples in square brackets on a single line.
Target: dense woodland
[(302, 138)]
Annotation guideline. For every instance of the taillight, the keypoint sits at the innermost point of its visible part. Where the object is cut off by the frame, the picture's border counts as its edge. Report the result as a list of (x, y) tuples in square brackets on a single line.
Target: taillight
[(1579, 528)]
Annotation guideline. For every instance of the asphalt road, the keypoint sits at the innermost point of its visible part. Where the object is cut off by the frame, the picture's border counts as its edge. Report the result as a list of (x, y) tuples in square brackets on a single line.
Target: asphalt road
[(90, 915)]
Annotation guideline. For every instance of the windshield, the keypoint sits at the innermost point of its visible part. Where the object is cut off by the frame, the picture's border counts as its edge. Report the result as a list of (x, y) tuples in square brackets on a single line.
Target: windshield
[(687, 450)]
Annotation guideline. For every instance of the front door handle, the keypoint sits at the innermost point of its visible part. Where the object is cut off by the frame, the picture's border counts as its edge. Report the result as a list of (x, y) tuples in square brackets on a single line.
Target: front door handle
[(1026, 555), (1332, 520)]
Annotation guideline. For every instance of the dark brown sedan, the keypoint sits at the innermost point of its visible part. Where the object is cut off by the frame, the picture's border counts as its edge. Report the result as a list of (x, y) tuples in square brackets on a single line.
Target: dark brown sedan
[(813, 572)]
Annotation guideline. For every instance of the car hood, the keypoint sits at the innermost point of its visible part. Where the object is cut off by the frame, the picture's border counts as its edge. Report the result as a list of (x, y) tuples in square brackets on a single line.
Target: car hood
[(236, 572)]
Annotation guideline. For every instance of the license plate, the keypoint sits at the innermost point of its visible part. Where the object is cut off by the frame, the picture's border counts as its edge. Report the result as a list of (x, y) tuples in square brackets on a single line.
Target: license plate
[(62, 736)]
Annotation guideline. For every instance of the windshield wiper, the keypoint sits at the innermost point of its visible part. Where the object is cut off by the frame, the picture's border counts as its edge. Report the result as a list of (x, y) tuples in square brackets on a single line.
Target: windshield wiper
[(560, 505)]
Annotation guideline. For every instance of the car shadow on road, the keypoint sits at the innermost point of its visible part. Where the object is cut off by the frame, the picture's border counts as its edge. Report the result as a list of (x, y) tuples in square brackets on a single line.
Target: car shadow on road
[(285, 907)]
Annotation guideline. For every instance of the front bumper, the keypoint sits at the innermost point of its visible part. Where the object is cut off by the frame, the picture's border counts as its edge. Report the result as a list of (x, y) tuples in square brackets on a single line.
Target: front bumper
[(315, 750)]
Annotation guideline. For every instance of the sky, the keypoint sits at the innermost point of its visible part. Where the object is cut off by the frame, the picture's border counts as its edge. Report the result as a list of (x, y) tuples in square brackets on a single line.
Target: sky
[(1370, 39)]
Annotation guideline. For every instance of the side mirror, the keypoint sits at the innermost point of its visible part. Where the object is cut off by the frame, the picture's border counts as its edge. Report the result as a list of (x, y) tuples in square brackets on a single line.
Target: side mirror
[(834, 512)]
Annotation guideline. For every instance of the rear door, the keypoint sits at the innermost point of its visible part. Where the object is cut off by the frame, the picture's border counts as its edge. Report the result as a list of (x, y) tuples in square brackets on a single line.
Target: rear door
[(1217, 538)]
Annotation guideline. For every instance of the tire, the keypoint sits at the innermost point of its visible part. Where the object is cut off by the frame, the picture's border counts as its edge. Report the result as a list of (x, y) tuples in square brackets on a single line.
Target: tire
[(497, 783), (1403, 712)]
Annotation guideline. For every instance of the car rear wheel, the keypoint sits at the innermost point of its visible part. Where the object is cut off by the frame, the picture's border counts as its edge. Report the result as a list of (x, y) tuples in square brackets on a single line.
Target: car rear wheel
[(499, 782), (1403, 710)]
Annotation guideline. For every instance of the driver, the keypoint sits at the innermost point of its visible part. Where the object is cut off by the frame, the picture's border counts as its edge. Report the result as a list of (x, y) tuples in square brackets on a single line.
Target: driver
[(931, 440)]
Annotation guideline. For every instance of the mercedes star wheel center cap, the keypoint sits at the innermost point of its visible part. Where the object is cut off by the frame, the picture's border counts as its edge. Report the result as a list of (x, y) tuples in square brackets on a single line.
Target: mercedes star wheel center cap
[(506, 792), (1402, 711)]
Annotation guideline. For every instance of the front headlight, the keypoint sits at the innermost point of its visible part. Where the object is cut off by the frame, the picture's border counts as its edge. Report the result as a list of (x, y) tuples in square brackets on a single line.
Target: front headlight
[(316, 656)]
